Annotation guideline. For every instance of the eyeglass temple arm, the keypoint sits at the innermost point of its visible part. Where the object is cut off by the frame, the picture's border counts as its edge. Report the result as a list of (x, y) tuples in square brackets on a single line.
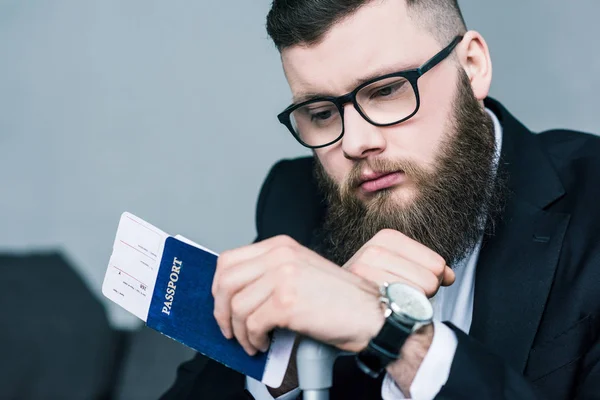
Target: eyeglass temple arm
[(435, 60)]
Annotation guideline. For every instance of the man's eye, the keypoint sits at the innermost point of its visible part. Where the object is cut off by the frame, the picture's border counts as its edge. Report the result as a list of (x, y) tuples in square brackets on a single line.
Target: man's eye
[(320, 115), (389, 90), (386, 91)]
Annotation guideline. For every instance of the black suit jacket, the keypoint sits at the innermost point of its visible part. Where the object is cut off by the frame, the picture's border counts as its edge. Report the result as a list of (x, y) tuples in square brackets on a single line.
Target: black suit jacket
[(535, 331)]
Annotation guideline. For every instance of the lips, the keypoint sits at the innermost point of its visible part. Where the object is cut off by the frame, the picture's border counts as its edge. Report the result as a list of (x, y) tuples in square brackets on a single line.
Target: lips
[(375, 181)]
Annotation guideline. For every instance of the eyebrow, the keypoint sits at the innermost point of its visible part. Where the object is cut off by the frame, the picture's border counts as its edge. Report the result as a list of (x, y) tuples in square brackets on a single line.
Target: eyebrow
[(305, 96)]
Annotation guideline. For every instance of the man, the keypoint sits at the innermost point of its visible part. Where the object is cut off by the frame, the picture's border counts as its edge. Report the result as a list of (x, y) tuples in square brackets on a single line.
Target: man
[(420, 178)]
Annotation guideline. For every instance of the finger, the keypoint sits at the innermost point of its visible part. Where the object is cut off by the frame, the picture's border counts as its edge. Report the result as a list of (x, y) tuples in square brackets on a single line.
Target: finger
[(449, 276), (236, 277), (379, 276), (408, 248), (232, 257), (245, 303), (309, 257), (263, 320), (231, 282), (397, 268)]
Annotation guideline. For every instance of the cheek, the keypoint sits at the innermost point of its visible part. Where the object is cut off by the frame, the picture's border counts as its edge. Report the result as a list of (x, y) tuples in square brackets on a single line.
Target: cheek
[(417, 140), (422, 135), (336, 165)]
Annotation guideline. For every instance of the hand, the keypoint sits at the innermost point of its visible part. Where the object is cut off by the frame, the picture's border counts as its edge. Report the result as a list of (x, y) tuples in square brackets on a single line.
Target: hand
[(279, 283), (391, 256)]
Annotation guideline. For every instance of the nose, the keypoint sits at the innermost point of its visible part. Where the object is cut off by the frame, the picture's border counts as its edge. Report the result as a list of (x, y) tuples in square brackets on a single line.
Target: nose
[(361, 139)]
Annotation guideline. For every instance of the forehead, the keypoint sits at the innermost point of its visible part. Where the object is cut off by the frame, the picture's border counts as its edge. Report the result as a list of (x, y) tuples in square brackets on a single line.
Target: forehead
[(379, 38)]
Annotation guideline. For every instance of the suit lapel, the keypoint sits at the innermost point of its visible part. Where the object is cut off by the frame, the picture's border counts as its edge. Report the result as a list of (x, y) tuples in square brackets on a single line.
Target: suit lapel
[(514, 275), (517, 262)]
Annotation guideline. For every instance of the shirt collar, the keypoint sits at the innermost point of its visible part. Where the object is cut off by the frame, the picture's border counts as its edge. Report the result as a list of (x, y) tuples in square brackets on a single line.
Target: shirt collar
[(498, 132)]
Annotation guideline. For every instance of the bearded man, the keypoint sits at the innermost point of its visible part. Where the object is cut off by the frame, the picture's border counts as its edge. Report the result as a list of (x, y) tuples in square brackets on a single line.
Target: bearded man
[(420, 187)]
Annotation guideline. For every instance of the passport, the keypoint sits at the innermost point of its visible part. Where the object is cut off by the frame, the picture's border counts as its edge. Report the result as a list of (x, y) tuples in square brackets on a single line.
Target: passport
[(166, 282)]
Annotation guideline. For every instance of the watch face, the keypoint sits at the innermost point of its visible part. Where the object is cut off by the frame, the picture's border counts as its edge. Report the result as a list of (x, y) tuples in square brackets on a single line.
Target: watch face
[(408, 301)]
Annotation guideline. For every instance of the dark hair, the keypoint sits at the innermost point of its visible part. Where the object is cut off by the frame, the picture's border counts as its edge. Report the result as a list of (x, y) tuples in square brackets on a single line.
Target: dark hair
[(292, 22)]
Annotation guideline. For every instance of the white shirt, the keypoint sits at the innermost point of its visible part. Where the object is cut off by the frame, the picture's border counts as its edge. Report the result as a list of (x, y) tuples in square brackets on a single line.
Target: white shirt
[(453, 303)]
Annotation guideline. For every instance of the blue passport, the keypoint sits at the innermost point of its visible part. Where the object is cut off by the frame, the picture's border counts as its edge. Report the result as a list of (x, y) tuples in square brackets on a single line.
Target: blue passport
[(166, 281)]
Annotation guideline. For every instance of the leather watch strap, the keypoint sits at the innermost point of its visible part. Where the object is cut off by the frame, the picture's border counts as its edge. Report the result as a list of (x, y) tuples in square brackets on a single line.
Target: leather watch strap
[(383, 348), (392, 336)]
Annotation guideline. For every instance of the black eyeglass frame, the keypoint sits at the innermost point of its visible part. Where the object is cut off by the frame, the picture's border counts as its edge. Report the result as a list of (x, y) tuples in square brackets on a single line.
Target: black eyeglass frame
[(411, 75)]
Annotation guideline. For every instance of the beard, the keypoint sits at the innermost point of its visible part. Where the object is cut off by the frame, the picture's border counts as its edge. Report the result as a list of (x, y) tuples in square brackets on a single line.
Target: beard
[(452, 205)]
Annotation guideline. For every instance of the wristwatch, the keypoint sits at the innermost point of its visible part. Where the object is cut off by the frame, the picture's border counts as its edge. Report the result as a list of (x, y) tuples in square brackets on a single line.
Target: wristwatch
[(406, 310)]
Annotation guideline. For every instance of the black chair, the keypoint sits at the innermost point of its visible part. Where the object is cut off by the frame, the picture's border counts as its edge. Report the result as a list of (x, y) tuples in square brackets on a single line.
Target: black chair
[(55, 339)]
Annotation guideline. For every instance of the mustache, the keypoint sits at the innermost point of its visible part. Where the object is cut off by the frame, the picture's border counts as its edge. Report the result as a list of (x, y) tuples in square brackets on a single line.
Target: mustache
[(382, 166)]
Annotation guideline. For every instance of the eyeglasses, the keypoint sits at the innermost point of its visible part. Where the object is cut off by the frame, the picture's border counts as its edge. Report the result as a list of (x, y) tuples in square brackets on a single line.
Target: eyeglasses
[(384, 101)]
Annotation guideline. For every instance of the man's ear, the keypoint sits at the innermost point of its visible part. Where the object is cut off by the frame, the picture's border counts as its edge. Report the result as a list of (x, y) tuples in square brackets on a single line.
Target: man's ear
[(474, 56)]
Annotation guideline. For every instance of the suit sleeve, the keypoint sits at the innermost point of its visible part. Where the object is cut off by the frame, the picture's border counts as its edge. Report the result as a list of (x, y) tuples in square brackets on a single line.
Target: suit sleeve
[(202, 378), (187, 373), (484, 375)]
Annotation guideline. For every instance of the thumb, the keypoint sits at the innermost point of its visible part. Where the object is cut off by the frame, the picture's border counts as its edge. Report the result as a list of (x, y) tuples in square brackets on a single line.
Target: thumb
[(449, 276)]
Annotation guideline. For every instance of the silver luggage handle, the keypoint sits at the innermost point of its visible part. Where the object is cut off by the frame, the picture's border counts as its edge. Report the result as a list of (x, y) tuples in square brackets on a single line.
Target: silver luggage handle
[(315, 368)]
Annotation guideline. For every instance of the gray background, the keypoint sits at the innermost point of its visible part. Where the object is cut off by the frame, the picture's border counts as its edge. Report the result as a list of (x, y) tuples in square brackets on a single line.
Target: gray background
[(167, 110)]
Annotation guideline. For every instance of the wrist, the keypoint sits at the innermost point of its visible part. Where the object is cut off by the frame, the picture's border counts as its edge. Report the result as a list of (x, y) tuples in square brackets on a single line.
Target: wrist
[(372, 324), (404, 370), (369, 321), (407, 313)]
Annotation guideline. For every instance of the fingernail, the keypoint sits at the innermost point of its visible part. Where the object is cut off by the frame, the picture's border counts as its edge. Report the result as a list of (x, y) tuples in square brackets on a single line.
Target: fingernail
[(225, 333)]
